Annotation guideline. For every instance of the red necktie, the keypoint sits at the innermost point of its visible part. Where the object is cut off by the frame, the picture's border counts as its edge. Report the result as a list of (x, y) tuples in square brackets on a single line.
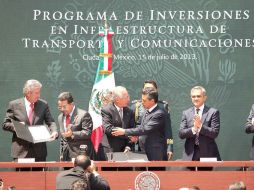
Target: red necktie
[(31, 113), (67, 121)]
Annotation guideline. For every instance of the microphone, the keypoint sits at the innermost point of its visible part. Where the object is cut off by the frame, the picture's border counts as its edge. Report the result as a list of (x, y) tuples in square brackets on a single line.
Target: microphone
[(83, 149)]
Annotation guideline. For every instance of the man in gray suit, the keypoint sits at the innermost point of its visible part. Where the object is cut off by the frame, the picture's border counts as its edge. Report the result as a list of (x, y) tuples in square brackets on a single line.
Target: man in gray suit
[(76, 128), (32, 111), (152, 125), (200, 126)]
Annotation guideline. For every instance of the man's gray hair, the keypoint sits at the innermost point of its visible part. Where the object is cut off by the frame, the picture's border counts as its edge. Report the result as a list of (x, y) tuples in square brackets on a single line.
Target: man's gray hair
[(118, 92), (199, 88), (30, 85)]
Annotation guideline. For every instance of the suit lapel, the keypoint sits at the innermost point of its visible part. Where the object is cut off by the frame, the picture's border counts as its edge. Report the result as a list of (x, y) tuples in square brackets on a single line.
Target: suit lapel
[(190, 115), (193, 112), (117, 115), (204, 114), (125, 117), (36, 112), (148, 116), (61, 122), (74, 115), (23, 109)]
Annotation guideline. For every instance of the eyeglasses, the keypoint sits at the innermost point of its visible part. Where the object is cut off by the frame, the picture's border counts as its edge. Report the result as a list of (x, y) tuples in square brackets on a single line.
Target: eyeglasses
[(197, 96)]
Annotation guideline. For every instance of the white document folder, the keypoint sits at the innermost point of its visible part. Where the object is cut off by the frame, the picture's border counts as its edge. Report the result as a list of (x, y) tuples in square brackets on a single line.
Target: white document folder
[(33, 133)]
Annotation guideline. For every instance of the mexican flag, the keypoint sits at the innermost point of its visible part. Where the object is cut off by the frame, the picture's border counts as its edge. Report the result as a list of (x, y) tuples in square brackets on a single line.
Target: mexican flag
[(103, 84)]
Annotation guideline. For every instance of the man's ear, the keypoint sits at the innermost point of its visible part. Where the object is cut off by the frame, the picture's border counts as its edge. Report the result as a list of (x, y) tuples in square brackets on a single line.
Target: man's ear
[(88, 169)]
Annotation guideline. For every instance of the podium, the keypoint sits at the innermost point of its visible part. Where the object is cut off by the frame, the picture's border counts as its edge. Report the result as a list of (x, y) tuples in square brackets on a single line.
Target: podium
[(172, 179)]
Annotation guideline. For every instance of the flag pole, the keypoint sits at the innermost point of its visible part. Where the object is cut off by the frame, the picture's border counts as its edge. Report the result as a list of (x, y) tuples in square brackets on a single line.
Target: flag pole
[(104, 82)]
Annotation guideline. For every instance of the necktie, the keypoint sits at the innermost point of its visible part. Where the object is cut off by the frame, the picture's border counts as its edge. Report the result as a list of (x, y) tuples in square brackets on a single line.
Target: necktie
[(147, 112), (197, 111), (197, 134), (31, 113), (121, 113), (67, 121), (145, 115)]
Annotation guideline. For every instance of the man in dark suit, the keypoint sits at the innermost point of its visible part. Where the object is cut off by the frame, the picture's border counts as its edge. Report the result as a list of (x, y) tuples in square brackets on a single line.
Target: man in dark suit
[(84, 169), (76, 128), (32, 111), (249, 128), (153, 126), (117, 114), (139, 112), (200, 126)]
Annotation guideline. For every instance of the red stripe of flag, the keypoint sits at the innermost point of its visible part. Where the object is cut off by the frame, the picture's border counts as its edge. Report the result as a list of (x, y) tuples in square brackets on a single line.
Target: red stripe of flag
[(109, 51)]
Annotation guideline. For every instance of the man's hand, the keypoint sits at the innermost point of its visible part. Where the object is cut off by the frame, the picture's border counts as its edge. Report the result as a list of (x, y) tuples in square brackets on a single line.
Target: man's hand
[(133, 139), (91, 168), (252, 121), (170, 155), (127, 149), (54, 135), (118, 131), (197, 121), (67, 133)]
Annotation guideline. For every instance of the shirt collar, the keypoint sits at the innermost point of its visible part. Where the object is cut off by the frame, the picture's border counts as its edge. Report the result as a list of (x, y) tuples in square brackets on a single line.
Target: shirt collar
[(201, 108), (118, 108), (152, 108), (27, 103)]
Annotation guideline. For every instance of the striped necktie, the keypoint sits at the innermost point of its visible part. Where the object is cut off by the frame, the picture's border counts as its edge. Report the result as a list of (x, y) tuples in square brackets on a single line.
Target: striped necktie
[(121, 113), (197, 134)]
